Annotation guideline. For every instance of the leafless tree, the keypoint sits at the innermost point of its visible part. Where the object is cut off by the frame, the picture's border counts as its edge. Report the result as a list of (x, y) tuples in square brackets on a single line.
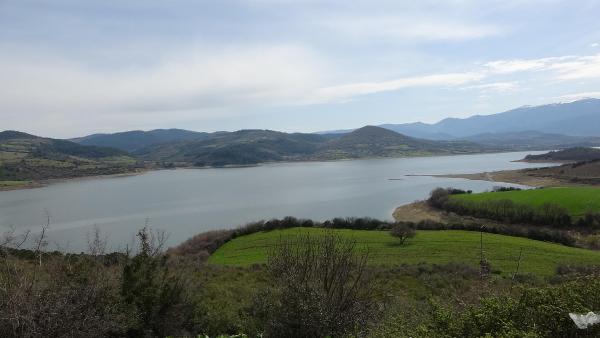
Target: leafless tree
[(321, 288), (403, 232)]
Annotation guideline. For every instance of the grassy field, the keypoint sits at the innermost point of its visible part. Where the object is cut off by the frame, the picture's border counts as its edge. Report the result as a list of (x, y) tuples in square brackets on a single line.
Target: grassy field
[(13, 184), (578, 200), (432, 247)]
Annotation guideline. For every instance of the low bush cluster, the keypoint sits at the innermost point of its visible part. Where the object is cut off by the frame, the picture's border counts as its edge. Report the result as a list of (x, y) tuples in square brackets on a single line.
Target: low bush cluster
[(92, 295), (536, 312), (531, 232), (507, 211), (204, 244)]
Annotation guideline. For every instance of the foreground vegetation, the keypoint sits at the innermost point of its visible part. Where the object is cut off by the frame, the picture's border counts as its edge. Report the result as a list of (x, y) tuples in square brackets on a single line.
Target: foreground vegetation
[(317, 281)]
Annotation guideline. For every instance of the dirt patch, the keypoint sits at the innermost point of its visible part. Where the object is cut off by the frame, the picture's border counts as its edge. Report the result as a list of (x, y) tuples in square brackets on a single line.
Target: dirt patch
[(515, 177), (417, 212)]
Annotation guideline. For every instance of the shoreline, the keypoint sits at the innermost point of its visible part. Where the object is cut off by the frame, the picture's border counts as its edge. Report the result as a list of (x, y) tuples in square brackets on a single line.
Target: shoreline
[(46, 182), (512, 177)]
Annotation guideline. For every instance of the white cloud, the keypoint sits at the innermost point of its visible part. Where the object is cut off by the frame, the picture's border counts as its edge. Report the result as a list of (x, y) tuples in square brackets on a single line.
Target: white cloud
[(495, 87), (192, 81), (571, 67), (513, 66), (584, 67), (579, 96), (347, 91), (409, 28), (594, 45)]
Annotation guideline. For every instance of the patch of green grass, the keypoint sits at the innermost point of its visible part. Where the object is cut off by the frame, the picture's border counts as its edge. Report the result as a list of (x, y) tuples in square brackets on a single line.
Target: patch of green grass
[(13, 184), (430, 247), (577, 200)]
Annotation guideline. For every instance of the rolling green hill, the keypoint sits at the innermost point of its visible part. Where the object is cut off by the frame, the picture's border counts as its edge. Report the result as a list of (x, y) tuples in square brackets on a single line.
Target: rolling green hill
[(257, 146), (577, 200), (373, 141), (138, 139), (237, 148), (432, 247), (25, 157)]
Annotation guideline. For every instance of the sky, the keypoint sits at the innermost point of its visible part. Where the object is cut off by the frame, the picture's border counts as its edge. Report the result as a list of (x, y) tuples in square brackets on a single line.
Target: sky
[(70, 68)]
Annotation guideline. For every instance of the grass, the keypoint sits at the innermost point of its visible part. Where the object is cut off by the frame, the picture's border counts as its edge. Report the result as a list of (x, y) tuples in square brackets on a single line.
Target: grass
[(13, 184), (430, 247), (577, 200)]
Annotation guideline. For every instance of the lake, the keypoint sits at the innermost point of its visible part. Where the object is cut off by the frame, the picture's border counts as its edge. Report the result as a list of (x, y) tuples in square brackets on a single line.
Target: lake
[(185, 202)]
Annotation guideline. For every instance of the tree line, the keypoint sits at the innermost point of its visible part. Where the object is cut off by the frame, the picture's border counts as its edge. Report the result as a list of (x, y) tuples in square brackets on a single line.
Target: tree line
[(508, 211)]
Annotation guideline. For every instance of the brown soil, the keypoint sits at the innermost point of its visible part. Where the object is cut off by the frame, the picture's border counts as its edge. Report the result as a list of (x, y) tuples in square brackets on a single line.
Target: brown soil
[(514, 176)]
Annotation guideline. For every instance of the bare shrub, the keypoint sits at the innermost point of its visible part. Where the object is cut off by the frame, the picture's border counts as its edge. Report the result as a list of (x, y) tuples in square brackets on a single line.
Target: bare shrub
[(54, 295), (402, 232), (204, 244), (320, 289), (154, 294)]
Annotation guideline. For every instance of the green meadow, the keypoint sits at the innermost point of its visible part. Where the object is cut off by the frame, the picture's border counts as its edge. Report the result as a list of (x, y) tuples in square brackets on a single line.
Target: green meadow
[(577, 200), (430, 247)]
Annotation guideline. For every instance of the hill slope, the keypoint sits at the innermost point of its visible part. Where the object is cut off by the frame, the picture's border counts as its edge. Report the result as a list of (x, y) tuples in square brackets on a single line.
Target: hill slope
[(256, 146), (577, 154), (137, 139), (431, 247), (373, 141), (29, 157), (237, 148)]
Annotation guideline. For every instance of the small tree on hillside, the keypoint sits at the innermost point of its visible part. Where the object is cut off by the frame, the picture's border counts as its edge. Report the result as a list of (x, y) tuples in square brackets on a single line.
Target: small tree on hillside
[(155, 294), (403, 232)]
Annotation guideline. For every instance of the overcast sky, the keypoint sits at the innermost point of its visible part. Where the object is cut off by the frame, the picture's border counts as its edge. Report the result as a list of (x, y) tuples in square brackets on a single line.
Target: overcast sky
[(72, 67)]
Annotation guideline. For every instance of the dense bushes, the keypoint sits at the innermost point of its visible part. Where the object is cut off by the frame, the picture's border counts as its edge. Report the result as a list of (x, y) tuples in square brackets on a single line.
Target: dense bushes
[(503, 210), (537, 312), (154, 295), (94, 294), (59, 298), (531, 232), (204, 244), (590, 219)]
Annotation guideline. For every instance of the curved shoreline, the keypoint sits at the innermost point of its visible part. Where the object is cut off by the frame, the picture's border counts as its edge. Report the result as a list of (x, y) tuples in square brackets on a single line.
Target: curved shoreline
[(46, 182)]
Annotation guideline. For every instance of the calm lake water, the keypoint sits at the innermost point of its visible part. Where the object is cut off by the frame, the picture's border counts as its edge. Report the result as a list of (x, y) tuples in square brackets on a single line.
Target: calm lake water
[(188, 201)]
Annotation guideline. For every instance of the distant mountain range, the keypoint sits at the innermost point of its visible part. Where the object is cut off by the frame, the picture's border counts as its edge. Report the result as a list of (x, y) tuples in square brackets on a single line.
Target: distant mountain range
[(555, 126), (532, 140), (579, 118)]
